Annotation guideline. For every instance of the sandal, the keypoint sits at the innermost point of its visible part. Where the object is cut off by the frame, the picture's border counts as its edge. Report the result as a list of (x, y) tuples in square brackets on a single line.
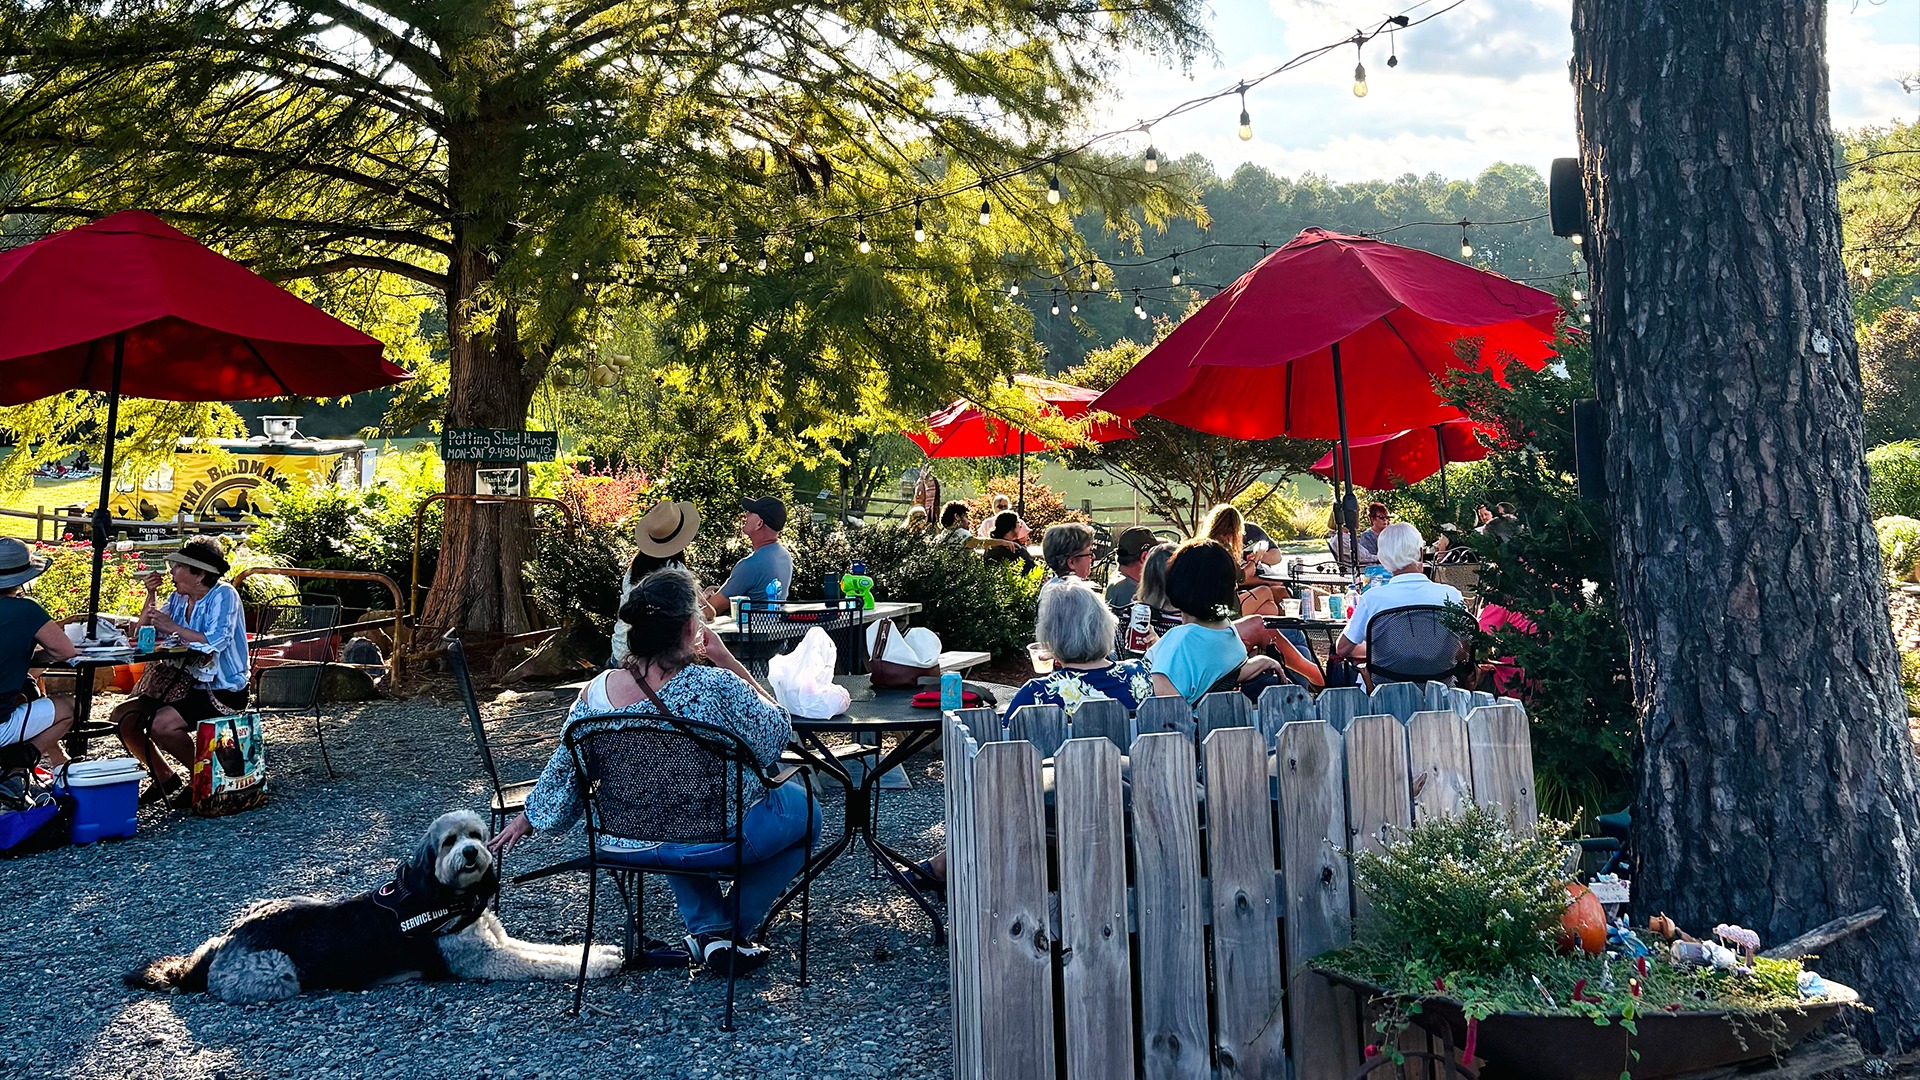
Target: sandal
[(159, 791)]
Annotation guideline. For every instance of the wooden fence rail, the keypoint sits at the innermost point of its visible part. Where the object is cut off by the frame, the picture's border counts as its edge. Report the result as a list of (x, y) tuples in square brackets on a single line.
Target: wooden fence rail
[(1136, 897)]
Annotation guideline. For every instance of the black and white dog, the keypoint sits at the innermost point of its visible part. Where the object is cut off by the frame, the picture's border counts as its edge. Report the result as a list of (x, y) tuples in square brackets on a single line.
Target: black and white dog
[(431, 921)]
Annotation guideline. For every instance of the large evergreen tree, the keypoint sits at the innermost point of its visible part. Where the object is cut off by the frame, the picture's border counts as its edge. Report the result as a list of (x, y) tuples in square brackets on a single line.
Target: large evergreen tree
[(527, 163), (1776, 785)]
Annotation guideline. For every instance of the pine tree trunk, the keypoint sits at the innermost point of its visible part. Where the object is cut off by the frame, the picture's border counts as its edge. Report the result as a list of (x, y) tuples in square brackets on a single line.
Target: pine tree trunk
[(1777, 780), (482, 547)]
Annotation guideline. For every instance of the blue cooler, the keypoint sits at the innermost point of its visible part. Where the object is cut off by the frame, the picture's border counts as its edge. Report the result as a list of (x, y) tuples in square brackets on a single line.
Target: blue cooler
[(106, 796)]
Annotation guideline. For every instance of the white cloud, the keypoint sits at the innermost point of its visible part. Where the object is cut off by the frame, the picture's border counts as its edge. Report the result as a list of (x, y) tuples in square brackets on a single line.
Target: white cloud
[(1486, 82)]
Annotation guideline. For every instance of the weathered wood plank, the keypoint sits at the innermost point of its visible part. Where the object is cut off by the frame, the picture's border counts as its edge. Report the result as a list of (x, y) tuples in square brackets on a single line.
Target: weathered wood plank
[(1434, 695), (1439, 763), (963, 932), (1282, 704), (1481, 697), (1157, 714), (1377, 788), (1095, 970), (1101, 718), (1313, 829), (1398, 700), (1226, 709), (1045, 726), (1016, 955), (982, 724), (1340, 704), (1460, 701), (1248, 1005), (1166, 855), (1501, 746)]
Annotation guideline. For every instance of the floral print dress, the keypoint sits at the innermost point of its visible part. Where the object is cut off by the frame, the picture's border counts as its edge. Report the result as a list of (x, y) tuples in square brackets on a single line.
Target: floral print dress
[(1124, 681)]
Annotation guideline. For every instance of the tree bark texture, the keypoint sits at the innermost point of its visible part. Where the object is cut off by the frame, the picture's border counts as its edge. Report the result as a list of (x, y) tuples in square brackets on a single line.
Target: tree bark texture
[(482, 547), (1776, 782)]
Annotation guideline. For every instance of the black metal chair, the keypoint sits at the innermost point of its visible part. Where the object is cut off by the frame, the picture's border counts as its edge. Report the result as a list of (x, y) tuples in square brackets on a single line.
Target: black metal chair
[(665, 779), (508, 798), (1412, 644), (768, 628), (292, 687)]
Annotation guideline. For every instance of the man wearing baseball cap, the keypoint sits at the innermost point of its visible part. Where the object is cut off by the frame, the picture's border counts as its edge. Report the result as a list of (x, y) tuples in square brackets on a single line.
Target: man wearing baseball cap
[(770, 563), (1130, 556)]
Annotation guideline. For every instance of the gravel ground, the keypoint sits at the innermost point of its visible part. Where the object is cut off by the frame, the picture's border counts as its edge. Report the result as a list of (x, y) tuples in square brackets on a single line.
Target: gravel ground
[(72, 921)]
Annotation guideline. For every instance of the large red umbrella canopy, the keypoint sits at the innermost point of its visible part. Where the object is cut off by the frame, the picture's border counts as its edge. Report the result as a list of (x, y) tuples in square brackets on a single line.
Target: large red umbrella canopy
[(196, 325), (1256, 361), (1408, 457), (963, 430)]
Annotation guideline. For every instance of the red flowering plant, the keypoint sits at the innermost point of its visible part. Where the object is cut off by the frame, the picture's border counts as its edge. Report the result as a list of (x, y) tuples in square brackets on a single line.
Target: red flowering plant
[(63, 588)]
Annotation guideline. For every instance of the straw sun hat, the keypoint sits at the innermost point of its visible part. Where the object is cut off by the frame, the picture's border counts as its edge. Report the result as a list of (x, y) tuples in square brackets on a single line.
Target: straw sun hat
[(667, 529)]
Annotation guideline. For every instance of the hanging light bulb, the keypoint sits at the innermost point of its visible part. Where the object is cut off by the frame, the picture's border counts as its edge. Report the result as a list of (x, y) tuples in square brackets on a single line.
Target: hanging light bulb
[(1577, 239), (1138, 311), (1578, 295), (1073, 308), (861, 237), (676, 294), (1013, 289), (1246, 120), (1176, 273), (1466, 249), (576, 275), (762, 264), (721, 266), (1153, 159), (1054, 308), (1053, 190), (1586, 316), (1866, 271), (808, 257), (682, 267), (1393, 50), (919, 226), (986, 211), (1359, 69)]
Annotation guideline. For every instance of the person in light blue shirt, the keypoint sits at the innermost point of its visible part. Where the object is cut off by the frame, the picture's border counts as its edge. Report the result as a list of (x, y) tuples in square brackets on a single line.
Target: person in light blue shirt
[(770, 563), (204, 614), (1191, 658)]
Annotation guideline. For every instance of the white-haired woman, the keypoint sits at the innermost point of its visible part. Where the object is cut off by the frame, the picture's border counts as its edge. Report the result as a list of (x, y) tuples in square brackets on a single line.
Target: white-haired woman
[(1078, 628), (661, 676)]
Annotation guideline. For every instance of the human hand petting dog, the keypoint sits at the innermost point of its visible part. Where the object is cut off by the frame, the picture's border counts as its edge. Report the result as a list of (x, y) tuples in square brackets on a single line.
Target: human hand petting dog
[(517, 829)]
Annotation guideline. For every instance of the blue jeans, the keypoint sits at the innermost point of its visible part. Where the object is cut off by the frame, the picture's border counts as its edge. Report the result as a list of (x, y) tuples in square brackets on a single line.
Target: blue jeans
[(778, 833)]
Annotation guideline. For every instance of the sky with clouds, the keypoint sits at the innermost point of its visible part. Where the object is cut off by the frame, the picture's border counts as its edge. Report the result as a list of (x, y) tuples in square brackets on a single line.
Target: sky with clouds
[(1483, 83)]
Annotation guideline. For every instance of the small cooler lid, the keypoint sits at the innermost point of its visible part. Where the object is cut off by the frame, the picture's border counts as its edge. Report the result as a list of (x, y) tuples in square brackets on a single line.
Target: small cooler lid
[(101, 773)]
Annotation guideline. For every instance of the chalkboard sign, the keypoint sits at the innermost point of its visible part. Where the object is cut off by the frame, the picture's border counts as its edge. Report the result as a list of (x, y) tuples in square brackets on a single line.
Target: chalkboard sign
[(497, 444)]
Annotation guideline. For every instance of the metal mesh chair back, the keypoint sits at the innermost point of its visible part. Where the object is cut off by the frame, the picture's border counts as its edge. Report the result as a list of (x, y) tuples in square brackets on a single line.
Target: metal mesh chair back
[(768, 628), (660, 778), (1411, 644), (304, 631), (463, 678)]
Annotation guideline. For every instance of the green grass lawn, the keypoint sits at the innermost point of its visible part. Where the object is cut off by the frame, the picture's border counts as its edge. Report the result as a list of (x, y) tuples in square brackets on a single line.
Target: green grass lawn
[(47, 495)]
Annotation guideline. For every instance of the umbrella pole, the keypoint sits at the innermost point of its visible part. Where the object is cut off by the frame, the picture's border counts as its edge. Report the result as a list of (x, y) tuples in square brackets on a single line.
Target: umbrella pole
[(1442, 445), (102, 515), (1023, 476), (1349, 506)]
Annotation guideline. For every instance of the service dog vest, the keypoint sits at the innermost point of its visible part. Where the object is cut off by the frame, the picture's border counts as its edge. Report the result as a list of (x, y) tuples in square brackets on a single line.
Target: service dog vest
[(420, 916)]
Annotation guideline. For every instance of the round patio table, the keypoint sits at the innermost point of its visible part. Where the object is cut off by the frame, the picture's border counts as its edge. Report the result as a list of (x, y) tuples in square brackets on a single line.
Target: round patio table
[(888, 714), (81, 668)]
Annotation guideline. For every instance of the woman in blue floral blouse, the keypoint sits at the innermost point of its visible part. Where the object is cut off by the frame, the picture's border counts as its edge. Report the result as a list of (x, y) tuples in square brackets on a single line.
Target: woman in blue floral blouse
[(665, 641), (1078, 628)]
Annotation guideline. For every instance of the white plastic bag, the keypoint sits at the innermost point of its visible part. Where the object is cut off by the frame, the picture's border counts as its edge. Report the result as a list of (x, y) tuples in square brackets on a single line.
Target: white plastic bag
[(802, 680)]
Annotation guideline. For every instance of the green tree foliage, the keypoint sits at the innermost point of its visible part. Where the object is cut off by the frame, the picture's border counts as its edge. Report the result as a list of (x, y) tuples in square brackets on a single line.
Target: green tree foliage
[(1893, 480), (1182, 473), (1880, 218), (1253, 206), (531, 165), (1890, 374)]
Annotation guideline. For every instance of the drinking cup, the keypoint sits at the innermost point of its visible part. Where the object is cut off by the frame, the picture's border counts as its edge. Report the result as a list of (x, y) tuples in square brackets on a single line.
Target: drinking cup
[(1042, 658), (1290, 608)]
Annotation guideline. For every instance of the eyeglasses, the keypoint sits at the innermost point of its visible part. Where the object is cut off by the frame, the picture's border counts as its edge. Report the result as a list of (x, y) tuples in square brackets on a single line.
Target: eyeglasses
[(1087, 554)]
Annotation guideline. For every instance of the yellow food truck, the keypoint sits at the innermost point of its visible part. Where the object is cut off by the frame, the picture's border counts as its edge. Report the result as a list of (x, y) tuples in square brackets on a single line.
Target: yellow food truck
[(208, 487)]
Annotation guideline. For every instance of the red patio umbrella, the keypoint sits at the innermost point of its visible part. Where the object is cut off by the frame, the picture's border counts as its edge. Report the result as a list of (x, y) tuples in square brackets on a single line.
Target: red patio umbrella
[(1408, 457), (964, 430), (129, 305), (1272, 354)]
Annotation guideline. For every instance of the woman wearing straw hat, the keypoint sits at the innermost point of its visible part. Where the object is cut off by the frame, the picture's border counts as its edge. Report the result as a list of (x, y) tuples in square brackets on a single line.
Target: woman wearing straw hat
[(660, 541), (204, 613), (26, 717)]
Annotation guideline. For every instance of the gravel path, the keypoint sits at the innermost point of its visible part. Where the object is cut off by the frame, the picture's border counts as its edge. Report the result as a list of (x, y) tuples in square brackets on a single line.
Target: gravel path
[(72, 921)]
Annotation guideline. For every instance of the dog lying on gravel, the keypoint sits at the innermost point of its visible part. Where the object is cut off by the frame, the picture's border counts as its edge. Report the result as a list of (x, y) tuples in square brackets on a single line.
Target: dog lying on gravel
[(431, 921)]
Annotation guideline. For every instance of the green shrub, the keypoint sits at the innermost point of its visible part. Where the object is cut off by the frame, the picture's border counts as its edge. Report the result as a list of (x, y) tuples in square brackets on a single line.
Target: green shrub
[(1893, 480), (324, 527), (1280, 511), (582, 572), (1899, 546)]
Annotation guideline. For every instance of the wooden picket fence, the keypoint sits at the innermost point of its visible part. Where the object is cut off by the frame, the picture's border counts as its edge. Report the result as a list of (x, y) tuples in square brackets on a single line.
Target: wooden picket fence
[(1160, 928)]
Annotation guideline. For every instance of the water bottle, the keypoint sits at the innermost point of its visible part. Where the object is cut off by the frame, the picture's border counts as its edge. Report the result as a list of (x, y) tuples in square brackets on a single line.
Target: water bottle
[(950, 691)]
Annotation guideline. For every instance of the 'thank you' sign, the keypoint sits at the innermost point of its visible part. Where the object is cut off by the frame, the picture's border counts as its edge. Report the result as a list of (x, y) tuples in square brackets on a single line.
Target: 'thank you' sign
[(498, 444)]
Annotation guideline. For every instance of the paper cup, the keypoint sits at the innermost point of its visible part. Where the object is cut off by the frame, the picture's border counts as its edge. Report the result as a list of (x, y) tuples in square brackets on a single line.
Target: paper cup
[(1290, 608)]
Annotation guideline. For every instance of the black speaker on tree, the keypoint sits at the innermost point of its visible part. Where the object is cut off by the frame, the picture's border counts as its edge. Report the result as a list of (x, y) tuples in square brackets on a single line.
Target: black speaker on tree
[(1566, 198), (1590, 449)]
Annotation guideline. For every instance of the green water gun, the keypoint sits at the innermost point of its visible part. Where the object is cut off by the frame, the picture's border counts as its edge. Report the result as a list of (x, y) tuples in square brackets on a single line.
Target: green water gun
[(858, 584)]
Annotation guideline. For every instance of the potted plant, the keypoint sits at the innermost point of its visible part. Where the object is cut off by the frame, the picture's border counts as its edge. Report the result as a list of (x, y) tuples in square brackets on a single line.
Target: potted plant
[(1473, 931)]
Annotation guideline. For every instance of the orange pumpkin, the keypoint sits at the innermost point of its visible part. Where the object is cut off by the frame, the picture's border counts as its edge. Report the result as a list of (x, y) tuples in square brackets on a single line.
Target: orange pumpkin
[(1583, 925)]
